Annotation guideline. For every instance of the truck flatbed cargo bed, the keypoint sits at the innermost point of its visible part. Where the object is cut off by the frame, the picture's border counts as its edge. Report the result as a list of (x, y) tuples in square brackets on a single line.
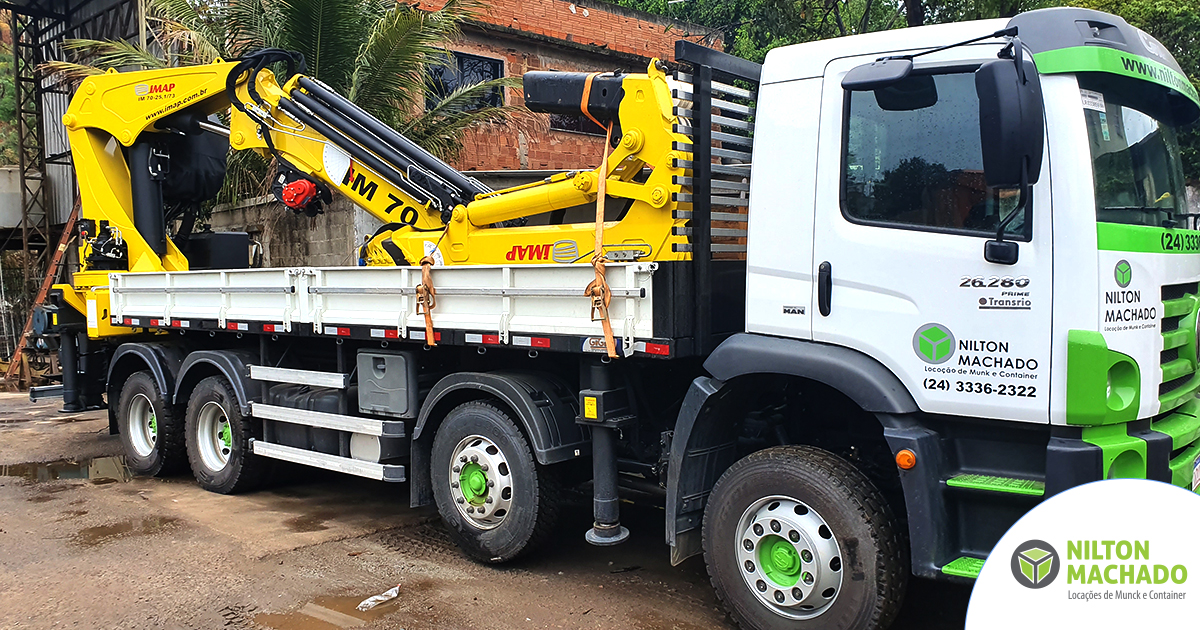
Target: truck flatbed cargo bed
[(533, 306)]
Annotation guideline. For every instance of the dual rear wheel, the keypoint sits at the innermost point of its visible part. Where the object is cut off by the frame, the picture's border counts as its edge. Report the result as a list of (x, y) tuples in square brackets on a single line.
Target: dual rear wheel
[(210, 434)]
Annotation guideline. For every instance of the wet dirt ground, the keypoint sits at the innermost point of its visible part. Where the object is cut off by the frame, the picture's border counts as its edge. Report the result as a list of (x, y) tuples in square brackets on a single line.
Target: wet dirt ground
[(85, 545)]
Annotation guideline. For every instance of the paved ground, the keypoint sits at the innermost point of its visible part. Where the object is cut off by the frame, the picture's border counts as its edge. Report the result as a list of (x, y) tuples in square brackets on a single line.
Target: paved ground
[(83, 545)]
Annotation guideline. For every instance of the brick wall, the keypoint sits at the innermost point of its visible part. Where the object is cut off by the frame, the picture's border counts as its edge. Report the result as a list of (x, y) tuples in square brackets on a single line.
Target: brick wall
[(558, 35)]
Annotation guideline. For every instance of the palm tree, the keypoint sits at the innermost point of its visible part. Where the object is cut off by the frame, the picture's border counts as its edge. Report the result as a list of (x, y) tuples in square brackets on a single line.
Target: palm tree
[(374, 52)]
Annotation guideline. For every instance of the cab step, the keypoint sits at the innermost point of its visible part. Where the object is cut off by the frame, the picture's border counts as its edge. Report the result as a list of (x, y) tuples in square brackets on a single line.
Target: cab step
[(991, 483), (370, 470), (966, 567)]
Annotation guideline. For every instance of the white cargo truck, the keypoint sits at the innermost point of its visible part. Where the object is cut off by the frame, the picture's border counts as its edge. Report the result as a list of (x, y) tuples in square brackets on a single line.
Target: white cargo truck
[(919, 281)]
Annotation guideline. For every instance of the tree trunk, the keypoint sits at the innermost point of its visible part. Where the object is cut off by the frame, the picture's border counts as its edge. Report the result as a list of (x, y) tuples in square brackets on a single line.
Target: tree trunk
[(914, 12)]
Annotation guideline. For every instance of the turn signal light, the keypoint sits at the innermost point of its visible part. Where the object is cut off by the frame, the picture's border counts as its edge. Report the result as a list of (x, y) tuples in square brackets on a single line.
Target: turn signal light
[(906, 459)]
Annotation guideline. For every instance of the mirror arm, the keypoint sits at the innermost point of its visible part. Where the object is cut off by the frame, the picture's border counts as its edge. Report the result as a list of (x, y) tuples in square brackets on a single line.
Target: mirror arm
[(1022, 201), (1005, 32)]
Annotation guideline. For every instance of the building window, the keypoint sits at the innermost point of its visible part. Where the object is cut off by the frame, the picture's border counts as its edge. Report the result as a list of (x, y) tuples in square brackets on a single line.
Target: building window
[(575, 122), (913, 159), (465, 69)]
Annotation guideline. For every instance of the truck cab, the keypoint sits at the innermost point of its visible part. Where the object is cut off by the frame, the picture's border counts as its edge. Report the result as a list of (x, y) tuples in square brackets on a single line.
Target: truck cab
[(870, 218)]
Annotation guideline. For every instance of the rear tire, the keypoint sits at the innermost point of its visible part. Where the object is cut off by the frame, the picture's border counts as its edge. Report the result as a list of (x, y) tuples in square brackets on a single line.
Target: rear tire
[(150, 432), (498, 504), (218, 439), (777, 528)]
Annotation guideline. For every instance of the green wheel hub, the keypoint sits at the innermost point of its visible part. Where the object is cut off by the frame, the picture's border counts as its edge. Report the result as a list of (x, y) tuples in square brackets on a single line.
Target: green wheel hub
[(480, 482), (474, 484), (789, 557), (779, 560), (226, 435)]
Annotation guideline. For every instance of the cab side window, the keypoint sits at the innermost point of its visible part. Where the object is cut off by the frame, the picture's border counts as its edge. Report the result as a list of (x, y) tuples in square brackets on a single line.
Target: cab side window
[(912, 159)]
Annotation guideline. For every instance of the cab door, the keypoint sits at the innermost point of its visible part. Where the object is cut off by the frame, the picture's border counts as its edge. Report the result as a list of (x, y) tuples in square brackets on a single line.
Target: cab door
[(902, 215)]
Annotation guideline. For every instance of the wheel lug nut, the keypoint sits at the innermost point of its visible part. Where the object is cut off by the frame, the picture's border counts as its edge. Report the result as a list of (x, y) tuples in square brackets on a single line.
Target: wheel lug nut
[(475, 458), (794, 536), (806, 555), (779, 596), (747, 545), (491, 484), (749, 566), (457, 468), (489, 499), (808, 578), (453, 484), (775, 526), (797, 593), (758, 530), (462, 458), (459, 499), (762, 586), (483, 467)]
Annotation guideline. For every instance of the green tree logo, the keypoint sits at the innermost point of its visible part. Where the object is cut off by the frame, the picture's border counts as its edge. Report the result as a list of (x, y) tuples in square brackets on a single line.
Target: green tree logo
[(934, 343), (1035, 564), (1123, 273)]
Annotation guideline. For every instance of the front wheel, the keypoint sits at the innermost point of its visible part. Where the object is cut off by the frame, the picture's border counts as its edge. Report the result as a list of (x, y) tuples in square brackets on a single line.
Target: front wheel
[(487, 484), (796, 537)]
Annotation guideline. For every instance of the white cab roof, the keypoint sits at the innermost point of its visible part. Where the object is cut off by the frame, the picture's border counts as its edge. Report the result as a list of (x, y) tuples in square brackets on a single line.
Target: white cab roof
[(803, 61)]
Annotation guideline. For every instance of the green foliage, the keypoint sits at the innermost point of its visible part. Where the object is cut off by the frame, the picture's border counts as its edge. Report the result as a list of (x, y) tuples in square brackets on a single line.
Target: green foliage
[(8, 112), (752, 27)]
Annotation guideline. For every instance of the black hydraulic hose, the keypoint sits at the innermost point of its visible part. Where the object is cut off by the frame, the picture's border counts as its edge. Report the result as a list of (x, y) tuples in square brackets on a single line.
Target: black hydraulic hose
[(369, 160), (418, 176), (412, 150), (356, 133)]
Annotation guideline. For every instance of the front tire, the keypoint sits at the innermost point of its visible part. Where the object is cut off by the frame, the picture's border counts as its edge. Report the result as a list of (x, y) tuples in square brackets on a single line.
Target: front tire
[(218, 439), (796, 537), (487, 485), (150, 432)]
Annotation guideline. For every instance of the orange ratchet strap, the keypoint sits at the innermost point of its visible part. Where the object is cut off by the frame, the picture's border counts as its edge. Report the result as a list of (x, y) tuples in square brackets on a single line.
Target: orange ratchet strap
[(427, 298), (598, 289)]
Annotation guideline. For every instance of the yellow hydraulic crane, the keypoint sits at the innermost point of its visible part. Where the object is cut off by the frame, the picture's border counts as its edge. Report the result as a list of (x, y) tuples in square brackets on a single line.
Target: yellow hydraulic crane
[(323, 142)]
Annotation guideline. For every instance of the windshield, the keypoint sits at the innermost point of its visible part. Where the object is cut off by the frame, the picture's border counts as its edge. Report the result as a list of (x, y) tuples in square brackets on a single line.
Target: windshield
[(1137, 169)]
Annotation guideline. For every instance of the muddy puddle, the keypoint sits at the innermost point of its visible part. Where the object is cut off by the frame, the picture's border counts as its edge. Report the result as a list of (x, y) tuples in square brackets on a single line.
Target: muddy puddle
[(101, 470), (327, 613), (96, 536)]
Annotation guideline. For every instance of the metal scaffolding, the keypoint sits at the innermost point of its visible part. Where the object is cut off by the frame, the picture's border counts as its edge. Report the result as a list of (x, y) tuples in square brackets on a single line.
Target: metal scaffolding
[(47, 179)]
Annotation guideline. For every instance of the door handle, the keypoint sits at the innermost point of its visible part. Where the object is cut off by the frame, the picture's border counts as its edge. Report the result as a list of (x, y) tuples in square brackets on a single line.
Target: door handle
[(824, 287)]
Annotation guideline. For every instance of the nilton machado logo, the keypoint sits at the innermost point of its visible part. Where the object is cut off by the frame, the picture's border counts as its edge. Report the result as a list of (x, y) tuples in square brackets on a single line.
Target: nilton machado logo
[(934, 343), (1035, 564)]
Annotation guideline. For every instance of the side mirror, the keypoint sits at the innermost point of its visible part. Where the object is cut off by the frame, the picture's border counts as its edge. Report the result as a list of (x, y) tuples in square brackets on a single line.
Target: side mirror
[(877, 74), (1011, 125), (1010, 132)]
